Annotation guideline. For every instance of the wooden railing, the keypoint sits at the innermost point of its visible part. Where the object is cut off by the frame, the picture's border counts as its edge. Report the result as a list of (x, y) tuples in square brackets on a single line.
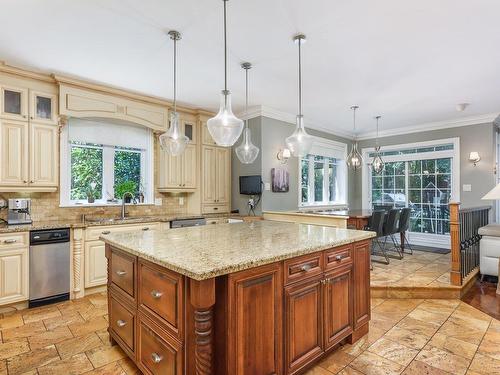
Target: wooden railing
[(464, 225)]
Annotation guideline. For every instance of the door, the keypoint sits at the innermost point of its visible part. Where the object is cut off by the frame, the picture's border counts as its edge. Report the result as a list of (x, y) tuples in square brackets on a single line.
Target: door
[(255, 308), (337, 306), (361, 275), (14, 102), (13, 275), (189, 167), (13, 153), (43, 107), (96, 264), (304, 324), (223, 174), (209, 193), (171, 173), (43, 155)]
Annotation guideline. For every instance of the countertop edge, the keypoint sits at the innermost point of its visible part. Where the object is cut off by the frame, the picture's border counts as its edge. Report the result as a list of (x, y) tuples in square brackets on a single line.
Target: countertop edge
[(241, 267)]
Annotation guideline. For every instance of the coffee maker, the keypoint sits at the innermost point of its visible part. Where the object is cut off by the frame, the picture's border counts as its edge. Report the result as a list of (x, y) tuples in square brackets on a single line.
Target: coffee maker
[(19, 211)]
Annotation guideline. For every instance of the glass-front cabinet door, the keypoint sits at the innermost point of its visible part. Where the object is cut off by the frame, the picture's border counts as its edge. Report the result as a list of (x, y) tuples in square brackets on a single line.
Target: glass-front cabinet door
[(14, 103), (43, 107)]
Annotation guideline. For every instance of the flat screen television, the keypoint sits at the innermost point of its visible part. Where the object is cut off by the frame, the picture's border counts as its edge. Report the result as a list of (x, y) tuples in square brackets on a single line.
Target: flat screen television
[(250, 185)]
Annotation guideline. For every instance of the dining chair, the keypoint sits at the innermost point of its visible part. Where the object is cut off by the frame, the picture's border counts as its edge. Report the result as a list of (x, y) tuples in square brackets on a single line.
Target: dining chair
[(376, 224), (404, 225), (391, 227)]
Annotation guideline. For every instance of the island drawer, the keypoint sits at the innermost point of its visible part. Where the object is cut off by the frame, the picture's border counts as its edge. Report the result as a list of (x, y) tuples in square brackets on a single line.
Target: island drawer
[(93, 233), (297, 269), (122, 322), (158, 353), (214, 208), (161, 294), (11, 240), (123, 272), (338, 257)]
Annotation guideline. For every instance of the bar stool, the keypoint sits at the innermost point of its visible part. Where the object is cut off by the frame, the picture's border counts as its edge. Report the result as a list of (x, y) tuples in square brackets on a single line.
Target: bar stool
[(391, 227), (404, 225), (376, 224)]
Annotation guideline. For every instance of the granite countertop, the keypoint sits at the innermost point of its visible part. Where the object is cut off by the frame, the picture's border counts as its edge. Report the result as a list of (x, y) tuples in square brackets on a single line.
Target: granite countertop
[(52, 224), (328, 213), (214, 250)]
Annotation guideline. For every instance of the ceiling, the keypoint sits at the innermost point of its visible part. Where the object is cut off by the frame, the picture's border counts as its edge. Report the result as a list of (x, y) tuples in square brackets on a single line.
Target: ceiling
[(411, 62)]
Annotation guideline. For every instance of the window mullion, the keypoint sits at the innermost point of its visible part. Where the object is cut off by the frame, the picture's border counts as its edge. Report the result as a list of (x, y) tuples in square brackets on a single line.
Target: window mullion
[(326, 184), (311, 180), (108, 172)]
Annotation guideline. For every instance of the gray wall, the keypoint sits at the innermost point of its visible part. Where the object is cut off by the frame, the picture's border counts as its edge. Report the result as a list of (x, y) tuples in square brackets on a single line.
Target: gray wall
[(238, 201), (480, 137)]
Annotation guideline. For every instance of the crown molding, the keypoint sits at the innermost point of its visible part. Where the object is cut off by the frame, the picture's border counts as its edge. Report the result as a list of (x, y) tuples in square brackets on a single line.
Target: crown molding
[(437, 125), (289, 118)]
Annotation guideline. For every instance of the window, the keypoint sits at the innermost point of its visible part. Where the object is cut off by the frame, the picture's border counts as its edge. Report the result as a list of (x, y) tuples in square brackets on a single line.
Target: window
[(103, 161), (323, 178), (423, 177)]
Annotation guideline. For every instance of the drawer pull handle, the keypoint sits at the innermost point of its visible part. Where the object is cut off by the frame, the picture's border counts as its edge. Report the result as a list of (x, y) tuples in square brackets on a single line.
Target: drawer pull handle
[(339, 257), (121, 273), (156, 294), (10, 240), (156, 357), (145, 228), (121, 323), (105, 232), (306, 267)]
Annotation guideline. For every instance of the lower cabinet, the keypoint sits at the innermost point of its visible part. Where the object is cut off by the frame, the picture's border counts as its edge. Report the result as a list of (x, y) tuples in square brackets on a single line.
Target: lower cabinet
[(96, 271), (304, 323), (14, 273)]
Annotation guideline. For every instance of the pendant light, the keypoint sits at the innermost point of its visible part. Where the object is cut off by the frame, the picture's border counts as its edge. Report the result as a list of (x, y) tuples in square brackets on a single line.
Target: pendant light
[(173, 140), (354, 159), (247, 152), (377, 163), (225, 128), (299, 143)]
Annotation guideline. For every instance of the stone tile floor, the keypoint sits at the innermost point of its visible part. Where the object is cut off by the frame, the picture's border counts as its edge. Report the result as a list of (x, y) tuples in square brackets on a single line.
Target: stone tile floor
[(406, 336), (422, 269)]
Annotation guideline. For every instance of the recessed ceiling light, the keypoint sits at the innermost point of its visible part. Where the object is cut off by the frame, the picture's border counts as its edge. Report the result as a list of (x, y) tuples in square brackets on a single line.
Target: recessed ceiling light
[(460, 107)]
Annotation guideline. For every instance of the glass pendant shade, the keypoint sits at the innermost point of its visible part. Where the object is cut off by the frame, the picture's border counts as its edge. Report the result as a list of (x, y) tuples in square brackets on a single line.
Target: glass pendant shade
[(377, 163), (225, 128), (299, 143), (354, 159), (173, 141), (247, 152)]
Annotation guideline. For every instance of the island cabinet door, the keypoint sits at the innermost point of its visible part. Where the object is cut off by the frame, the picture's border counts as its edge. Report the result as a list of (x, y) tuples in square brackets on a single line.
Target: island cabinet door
[(361, 275), (255, 306), (338, 322), (303, 324)]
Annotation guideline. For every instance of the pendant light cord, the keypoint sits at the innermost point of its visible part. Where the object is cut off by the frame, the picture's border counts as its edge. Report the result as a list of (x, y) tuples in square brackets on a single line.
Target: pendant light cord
[(376, 139), (225, 52), (246, 98), (175, 74), (300, 78)]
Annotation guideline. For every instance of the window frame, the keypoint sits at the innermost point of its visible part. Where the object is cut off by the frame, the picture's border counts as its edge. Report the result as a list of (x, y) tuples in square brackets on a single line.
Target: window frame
[(342, 175), (429, 239), (147, 177)]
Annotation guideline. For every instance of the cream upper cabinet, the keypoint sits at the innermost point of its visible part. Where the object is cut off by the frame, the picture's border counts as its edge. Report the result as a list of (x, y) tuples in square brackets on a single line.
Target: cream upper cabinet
[(14, 102), (44, 155), (13, 268), (77, 102), (190, 167), (14, 151), (207, 138), (216, 177), (43, 107)]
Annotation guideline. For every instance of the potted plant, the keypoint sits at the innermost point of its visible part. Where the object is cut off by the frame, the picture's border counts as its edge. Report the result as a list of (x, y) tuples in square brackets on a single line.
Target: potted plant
[(124, 187), (91, 192)]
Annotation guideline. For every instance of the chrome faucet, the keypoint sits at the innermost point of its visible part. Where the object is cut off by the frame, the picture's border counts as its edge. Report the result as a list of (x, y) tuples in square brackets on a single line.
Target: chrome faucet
[(123, 202)]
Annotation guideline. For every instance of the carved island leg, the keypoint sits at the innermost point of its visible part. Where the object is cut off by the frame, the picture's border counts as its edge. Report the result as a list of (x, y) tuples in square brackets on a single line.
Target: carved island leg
[(202, 297)]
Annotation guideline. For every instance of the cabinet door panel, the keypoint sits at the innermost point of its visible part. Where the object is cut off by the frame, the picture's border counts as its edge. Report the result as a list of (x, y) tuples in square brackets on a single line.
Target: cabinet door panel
[(338, 306), (96, 264), (304, 324), (14, 103), (171, 171), (43, 107), (190, 167), (43, 155), (362, 282), (14, 153), (223, 174), (209, 193), (255, 319), (13, 275), (207, 138)]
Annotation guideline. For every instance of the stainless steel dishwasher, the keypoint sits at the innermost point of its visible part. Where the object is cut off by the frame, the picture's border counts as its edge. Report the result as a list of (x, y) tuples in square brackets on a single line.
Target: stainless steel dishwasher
[(49, 266)]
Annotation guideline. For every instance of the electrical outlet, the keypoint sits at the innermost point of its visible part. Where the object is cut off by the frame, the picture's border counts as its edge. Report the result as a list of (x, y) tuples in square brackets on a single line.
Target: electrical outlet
[(181, 201), (267, 186), (3, 203), (158, 202), (467, 187)]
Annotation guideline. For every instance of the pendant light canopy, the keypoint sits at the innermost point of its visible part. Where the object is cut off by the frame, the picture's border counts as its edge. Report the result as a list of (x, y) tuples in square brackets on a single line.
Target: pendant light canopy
[(225, 128), (377, 163), (354, 159), (247, 152), (299, 143), (173, 140)]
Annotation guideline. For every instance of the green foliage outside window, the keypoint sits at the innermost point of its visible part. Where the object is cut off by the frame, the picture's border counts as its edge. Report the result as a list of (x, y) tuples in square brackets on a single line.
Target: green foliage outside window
[(86, 168), (127, 172)]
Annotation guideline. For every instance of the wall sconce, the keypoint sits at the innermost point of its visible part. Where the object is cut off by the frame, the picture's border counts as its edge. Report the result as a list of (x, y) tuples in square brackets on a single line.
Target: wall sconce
[(474, 157), (283, 155)]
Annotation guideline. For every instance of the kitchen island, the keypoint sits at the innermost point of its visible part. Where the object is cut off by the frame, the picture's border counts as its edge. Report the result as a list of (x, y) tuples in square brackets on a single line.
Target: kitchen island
[(247, 298)]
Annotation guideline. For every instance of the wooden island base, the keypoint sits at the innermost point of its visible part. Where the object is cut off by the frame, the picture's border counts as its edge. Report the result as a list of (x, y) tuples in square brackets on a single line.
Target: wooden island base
[(279, 318)]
